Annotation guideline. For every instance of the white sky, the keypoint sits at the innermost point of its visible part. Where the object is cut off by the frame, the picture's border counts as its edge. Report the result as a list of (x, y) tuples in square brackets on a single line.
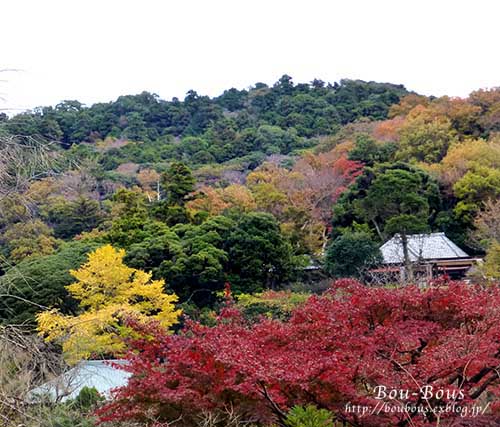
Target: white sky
[(97, 50)]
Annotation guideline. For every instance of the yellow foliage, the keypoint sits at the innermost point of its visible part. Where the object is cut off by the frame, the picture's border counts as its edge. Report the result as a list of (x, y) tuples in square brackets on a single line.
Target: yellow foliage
[(93, 234), (407, 103), (239, 196), (269, 198), (462, 157), (108, 291), (28, 238), (425, 136), (342, 149), (491, 266), (41, 190)]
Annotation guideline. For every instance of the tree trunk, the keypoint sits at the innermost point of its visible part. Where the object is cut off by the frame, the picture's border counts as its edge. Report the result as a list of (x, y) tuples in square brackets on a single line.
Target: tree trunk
[(158, 194), (380, 235), (410, 277), (324, 238)]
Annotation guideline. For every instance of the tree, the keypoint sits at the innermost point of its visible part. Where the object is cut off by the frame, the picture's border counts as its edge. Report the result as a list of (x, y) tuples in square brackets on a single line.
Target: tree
[(29, 238), (247, 249), (333, 351), (214, 201), (478, 185), (388, 130), (130, 219), (25, 362), (207, 200), (321, 181), (303, 197), (391, 199), (408, 103), (177, 183), (190, 257), (259, 256), (488, 100), (233, 99), (275, 140), (269, 198), (197, 271), (39, 282), (487, 224), (271, 304), (158, 243), (149, 181), (396, 197), (107, 291), (465, 117), (466, 155), (491, 266), (22, 161), (368, 151), (278, 119), (425, 140), (69, 218), (350, 254)]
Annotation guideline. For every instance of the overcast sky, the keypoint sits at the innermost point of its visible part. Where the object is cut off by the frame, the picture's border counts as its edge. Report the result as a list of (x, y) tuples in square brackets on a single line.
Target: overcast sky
[(97, 50)]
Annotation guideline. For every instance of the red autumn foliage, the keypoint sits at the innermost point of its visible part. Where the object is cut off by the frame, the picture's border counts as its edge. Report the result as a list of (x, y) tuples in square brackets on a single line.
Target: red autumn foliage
[(332, 352)]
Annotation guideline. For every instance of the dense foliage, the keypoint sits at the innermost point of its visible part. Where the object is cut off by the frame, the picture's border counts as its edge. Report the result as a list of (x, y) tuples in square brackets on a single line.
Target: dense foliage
[(106, 291), (116, 217), (37, 283), (333, 351), (270, 187), (262, 118), (352, 254)]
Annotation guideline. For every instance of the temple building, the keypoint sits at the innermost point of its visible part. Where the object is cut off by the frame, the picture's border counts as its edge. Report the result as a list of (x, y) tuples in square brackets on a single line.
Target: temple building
[(431, 255)]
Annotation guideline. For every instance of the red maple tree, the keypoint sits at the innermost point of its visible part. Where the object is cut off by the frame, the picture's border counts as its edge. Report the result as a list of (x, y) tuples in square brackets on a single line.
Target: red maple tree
[(333, 352)]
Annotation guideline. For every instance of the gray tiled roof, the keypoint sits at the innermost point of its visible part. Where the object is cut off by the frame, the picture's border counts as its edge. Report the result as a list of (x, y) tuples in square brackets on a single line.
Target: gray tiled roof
[(421, 247), (90, 373)]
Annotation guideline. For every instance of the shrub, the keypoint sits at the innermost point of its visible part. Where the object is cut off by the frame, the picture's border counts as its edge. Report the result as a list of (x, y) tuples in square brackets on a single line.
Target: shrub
[(309, 416)]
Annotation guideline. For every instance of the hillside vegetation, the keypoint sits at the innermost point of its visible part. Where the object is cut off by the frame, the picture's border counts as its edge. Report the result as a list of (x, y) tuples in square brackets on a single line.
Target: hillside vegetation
[(180, 235), (248, 187)]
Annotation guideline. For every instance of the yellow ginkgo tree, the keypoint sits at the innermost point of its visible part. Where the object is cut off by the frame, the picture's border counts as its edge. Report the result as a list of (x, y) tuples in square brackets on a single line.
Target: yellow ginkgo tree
[(108, 292)]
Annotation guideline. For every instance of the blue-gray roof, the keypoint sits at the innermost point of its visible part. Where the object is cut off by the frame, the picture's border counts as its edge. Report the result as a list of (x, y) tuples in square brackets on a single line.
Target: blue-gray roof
[(421, 247), (89, 373)]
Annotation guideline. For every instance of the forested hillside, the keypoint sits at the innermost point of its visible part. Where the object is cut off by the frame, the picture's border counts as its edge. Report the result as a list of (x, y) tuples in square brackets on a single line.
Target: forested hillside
[(310, 109), (193, 233), (248, 187)]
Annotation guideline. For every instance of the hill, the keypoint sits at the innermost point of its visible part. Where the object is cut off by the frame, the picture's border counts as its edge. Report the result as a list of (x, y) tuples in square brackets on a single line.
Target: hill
[(247, 187)]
